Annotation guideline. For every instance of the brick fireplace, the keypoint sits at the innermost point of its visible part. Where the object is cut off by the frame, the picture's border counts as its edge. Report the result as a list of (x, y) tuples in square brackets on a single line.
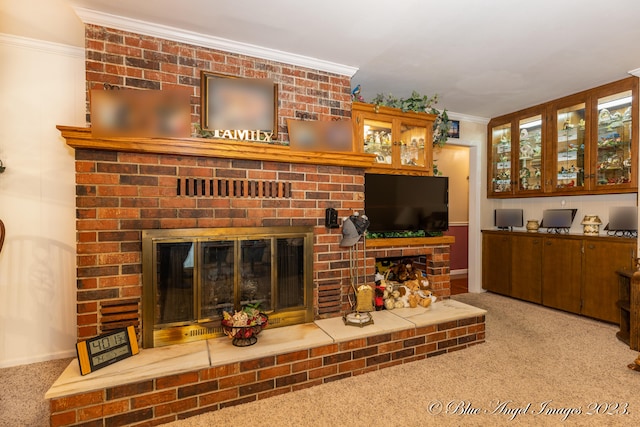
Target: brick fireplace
[(120, 194), (126, 187), (145, 185)]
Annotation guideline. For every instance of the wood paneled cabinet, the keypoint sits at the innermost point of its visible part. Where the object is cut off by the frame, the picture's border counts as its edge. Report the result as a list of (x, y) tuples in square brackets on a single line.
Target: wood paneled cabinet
[(496, 266), (568, 272), (562, 273), (526, 267), (597, 272), (580, 144), (402, 142)]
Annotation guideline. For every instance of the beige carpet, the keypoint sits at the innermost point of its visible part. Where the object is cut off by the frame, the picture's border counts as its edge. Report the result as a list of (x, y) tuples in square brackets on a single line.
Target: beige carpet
[(532, 355), (22, 390)]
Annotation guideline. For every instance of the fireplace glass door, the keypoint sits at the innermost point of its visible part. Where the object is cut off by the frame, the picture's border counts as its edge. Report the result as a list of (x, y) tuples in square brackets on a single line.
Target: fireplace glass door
[(191, 280)]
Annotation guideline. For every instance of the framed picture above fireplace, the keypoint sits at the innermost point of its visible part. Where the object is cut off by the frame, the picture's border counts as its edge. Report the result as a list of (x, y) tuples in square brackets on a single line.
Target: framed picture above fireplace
[(238, 104)]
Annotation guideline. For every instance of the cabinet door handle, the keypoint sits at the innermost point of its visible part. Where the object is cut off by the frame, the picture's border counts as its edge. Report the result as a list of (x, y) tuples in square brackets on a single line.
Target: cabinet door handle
[(592, 246), (535, 242), (548, 243)]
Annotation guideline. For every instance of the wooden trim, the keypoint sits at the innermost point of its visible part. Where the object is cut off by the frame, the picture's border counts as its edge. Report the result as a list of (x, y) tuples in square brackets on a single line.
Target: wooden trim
[(410, 241), (79, 137), (381, 109), (599, 238)]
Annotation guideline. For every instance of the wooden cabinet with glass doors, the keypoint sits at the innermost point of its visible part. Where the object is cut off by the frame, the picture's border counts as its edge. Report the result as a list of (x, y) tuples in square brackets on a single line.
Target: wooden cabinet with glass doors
[(516, 152), (402, 142), (615, 154), (569, 141), (585, 145)]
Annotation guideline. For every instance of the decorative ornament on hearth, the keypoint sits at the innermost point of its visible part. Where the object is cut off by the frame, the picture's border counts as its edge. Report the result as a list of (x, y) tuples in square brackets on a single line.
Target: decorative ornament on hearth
[(244, 326), (354, 228)]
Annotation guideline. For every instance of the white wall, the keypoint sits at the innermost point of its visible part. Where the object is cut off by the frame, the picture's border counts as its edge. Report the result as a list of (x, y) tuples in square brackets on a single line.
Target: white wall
[(473, 134), (534, 207), (48, 20), (453, 161), (42, 85)]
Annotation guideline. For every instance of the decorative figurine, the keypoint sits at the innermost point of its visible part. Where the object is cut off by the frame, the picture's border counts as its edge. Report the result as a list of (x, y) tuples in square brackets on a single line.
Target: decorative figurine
[(591, 225)]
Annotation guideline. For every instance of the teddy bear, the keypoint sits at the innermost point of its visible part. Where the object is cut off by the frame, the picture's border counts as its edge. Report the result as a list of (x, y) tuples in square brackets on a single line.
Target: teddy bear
[(405, 270), (417, 293)]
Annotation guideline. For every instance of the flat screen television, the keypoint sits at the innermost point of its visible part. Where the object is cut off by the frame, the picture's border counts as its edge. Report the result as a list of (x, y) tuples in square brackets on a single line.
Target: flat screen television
[(398, 203), (508, 218)]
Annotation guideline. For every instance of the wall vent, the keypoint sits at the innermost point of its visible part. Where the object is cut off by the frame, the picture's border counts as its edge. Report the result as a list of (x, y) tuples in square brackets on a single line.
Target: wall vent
[(234, 188)]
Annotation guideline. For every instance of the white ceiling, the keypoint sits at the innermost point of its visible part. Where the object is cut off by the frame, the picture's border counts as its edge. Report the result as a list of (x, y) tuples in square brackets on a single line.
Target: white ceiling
[(484, 58)]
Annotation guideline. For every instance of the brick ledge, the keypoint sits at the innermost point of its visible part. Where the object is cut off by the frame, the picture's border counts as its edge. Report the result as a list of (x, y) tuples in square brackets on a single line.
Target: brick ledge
[(202, 387)]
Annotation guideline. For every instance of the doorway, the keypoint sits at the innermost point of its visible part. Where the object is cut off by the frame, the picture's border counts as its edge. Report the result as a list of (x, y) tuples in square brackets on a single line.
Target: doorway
[(453, 161)]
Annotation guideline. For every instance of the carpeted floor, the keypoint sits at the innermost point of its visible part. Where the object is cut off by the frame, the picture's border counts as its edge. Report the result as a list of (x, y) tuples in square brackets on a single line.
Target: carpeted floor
[(538, 367), (22, 392)]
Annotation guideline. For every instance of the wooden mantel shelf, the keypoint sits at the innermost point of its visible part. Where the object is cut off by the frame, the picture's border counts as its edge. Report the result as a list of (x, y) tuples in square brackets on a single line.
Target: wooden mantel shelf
[(81, 137), (410, 241)]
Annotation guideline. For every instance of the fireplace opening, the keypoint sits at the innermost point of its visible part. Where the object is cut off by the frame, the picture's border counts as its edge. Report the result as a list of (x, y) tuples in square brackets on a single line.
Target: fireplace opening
[(192, 276)]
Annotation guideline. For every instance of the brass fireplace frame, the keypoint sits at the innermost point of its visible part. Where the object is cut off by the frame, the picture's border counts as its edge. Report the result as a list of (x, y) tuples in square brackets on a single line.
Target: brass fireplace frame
[(154, 336)]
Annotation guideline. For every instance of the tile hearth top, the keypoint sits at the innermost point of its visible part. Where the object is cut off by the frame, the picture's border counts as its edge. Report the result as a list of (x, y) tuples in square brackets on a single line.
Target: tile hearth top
[(170, 360)]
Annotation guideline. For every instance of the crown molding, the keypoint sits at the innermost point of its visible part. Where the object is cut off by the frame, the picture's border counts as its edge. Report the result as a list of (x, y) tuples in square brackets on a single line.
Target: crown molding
[(467, 118), (89, 16), (41, 45)]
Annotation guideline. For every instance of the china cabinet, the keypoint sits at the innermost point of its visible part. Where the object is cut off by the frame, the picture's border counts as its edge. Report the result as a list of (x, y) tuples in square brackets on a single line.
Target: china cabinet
[(574, 273), (500, 159), (579, 144), (569, 130), (402, 142), (516, 153), (615, 154)]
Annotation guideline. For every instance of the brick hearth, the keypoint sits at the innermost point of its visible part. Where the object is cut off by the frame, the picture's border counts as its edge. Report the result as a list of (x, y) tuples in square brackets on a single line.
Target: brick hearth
[(165, 384)]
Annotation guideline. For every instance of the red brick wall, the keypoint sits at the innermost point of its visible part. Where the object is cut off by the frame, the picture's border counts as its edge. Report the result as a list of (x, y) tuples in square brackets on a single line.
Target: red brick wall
[(120, 194), (136, 61)]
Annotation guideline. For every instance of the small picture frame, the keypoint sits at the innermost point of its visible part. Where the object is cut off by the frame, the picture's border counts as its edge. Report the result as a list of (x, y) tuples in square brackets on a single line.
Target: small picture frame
[(454, 129), (232, 103)]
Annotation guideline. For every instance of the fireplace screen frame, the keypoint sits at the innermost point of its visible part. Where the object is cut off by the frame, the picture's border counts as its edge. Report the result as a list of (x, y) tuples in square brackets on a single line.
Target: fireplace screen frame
[(155, 335)]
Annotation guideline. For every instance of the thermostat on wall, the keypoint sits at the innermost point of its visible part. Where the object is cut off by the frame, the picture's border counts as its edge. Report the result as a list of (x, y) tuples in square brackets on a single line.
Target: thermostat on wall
[(98, 352)]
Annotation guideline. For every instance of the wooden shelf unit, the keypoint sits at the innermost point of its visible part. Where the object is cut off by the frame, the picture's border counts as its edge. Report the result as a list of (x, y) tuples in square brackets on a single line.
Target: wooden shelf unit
[(629, 306), (79, 137)]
